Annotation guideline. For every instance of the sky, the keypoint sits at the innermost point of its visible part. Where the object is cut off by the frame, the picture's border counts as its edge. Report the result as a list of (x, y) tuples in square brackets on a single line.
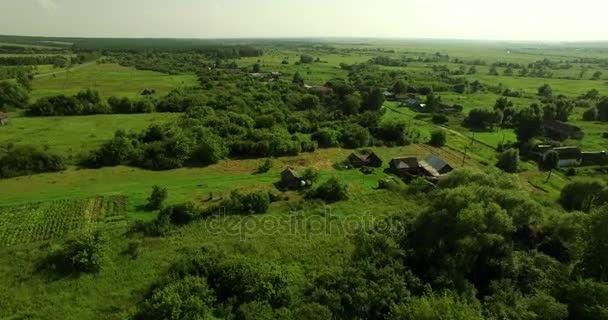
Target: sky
[(555, 20)]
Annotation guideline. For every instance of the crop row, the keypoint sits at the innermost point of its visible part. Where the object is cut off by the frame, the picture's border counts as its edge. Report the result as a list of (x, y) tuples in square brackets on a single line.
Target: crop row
[(42, 221)]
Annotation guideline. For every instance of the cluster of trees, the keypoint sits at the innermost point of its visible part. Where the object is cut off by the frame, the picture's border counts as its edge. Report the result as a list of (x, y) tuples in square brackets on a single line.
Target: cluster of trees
[(237, 203), (483, 249), (160, 148), (88, 102), (249, 119), (34, 60), (12, 72), (19, 160), (14, 95), (208, 284), (599, 112)]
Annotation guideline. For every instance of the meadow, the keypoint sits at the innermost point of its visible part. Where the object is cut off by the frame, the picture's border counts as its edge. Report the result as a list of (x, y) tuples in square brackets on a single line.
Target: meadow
[(108, 80), (308, 238)]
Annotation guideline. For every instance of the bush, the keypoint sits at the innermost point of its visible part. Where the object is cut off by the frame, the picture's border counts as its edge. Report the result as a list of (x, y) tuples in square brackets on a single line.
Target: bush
[(483, 119), (354, 136), (583, 194), (157, 198), (82, 252), (180, 214), (331, 191), (188, 298), (326, 138), (508, 161), (245, 204), (310, 176), (438, 138), (440, 118), (26, 159), (265, 166), (590, 114)]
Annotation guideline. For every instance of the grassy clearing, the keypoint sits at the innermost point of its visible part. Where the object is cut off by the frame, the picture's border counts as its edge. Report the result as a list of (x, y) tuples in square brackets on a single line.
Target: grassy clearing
[(109, 80), (73, 135)]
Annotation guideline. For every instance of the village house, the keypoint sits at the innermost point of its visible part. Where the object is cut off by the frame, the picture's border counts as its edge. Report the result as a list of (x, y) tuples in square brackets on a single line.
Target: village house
[(3, 119), (598, 158), (435, 166), (373, 161), (291, 180), (405, 166), (568, 156), (357, 161)]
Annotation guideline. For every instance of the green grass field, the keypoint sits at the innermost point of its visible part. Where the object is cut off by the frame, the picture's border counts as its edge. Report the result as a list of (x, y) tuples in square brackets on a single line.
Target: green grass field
[(71, 136), (108, 80)]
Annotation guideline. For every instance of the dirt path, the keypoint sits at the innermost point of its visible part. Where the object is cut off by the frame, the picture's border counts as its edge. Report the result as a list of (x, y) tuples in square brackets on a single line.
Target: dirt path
[(64, 70)]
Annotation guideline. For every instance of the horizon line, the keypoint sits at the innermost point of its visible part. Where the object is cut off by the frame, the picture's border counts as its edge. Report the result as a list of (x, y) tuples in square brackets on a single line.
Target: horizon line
[(310, 38)]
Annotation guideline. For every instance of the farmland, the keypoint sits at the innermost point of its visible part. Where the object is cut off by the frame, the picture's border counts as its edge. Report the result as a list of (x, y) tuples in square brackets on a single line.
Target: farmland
[(148, 168), (36, 222)]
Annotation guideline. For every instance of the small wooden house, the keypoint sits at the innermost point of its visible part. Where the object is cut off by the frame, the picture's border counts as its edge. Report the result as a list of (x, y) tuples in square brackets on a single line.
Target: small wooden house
[(405, 166), (373, 161), (3, 119), (290, 179), (356, 161)]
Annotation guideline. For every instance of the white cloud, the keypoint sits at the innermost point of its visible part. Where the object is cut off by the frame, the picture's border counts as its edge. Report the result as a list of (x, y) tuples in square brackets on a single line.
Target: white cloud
[(49, 5)]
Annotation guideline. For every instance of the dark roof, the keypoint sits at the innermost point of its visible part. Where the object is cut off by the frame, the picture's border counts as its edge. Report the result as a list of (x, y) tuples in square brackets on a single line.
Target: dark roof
[(374, 157), (435, 162), (569, 152), (563, 130), (289, 172), (405, 163), (355, 157)]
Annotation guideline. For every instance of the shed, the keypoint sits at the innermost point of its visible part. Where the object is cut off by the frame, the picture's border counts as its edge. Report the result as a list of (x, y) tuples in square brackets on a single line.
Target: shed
[(290, 179), (373, 161), (435, 165), (3, 119), (356, 161)]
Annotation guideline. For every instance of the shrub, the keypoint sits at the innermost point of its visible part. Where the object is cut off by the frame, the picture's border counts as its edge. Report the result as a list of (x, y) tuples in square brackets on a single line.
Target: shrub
[(157, 198), (508, 161), (331, 191), (440, 118), (583, 194), (188, 298), (354, 136), (245, 204), (265, 166), (82, 252), (326, 138), (26, 159), (311, 176), (180, 214), (438, 138), (590, 114)]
